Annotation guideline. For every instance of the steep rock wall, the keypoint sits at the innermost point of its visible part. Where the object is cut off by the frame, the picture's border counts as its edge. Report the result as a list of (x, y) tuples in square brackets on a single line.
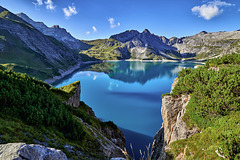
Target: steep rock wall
[(173, 128), (75, 99), (107, 145)]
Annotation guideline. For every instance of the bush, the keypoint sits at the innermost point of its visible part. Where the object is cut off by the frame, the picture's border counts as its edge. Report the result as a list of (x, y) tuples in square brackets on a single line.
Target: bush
[(233, 59), (213, 93), (214, 108), (31, 101)]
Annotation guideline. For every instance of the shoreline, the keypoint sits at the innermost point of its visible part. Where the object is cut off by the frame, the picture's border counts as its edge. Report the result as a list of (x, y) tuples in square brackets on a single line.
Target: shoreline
[(69, 71), (165, 60), (82, 64)]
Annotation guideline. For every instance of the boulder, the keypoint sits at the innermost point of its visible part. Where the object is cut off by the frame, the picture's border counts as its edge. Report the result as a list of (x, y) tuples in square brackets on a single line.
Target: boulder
[(23, 151)]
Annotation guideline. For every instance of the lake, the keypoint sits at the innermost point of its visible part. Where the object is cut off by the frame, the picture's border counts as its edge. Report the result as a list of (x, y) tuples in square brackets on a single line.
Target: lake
[(129, 94)]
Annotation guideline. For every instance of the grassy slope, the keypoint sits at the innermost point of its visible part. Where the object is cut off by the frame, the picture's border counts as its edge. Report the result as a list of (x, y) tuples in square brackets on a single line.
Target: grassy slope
[(18, 57), (108, 49), (65, 92), (31, 112), (103, 49), (214, 109)]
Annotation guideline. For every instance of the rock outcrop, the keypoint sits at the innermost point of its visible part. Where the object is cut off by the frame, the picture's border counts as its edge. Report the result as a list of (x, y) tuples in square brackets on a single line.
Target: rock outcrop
[(107, 146), (22, 151), (173, 128), (116, 136), (75, 99), (173, 110), (112, 141)]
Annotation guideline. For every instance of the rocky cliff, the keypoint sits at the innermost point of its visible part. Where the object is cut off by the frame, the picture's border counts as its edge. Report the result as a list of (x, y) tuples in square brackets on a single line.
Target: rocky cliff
[(23, 151), (74, 100), (111, 147), (110, 138), (57, 32), (173, 128)]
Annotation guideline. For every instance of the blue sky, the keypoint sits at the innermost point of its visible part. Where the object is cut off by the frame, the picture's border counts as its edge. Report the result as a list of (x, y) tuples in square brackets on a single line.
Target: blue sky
[(95, 19)]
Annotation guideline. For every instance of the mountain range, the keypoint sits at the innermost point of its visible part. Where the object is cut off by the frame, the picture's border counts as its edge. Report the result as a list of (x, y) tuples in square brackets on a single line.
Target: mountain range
[(45, 52), (145, 45)]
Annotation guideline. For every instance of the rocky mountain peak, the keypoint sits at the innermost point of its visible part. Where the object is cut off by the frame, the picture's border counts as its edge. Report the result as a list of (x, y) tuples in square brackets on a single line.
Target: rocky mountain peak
[(22, 14), (57, 32), (125, 36), (2, 9), (55, 26), (146, 31), (203, 32)]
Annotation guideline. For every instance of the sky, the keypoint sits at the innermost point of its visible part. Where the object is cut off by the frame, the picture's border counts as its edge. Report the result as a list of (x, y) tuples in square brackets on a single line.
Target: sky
[(99, 19)]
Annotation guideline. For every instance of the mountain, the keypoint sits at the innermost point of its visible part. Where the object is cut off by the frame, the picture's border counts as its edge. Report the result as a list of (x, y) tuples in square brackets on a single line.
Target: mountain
[(206, 45), (24, 48), (132, 44), (57, 32)]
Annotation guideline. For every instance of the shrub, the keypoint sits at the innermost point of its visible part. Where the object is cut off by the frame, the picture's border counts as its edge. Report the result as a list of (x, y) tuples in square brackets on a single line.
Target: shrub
[(31, 101)]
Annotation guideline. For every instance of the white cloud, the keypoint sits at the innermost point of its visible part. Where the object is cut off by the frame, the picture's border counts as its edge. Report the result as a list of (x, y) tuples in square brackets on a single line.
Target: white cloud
[(50, 5), (71, 10), (38, 2), (111, 21), (211, 9), (94, 29)]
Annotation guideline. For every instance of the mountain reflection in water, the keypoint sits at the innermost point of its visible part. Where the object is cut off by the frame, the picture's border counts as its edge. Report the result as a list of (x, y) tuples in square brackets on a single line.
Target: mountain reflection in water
[(139, 71)]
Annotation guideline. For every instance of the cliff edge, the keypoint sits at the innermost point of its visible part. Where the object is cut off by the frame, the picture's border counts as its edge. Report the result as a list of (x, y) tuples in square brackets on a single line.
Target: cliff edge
[(173, 127), (74, 100)]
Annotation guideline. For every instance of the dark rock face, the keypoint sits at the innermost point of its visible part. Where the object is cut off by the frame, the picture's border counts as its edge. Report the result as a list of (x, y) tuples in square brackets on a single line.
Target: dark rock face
[(22, 151), (57, 32), (75, 99), (125, 36), (115, 136), (158, 146)]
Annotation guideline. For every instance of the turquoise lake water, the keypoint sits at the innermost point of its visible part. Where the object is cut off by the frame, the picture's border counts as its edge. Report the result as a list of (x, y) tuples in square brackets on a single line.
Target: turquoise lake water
[(129, 94)]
